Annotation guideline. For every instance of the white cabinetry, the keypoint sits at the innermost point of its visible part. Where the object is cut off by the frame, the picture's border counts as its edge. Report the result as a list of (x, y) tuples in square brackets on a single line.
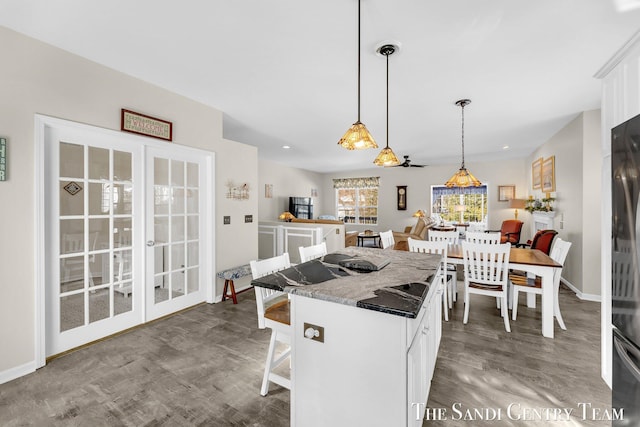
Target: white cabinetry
[(372, 369)]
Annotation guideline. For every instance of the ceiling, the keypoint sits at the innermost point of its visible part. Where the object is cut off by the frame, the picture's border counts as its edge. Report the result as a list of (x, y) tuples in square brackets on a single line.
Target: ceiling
[(284, 72)]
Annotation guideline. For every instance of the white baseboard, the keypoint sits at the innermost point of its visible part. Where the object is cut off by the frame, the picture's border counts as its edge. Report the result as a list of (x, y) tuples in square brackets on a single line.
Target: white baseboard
[(581, 295), (17, 372)]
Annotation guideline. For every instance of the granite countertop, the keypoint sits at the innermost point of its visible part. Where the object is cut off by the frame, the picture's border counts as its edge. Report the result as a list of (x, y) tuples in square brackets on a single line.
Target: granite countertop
[(399, 288)]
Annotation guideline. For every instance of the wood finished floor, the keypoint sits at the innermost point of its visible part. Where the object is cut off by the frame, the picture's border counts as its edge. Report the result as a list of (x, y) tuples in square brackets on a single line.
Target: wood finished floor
[(204, 367)]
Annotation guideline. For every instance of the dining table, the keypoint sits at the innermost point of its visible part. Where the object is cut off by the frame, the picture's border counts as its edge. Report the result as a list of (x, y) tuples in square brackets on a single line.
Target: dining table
[(531, 261)]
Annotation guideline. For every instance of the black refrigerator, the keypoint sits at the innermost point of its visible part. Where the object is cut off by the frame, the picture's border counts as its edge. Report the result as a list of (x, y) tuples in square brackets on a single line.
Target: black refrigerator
[(625, 272)]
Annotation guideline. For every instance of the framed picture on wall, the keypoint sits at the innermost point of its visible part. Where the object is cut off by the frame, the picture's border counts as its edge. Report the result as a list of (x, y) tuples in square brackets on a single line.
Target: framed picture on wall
[(402, 197), (548, 175), (506, 192), (536, 174)]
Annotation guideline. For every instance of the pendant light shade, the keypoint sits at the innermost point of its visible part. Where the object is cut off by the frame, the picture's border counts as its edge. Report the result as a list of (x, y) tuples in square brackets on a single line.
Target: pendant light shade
[(463, 178), (387, 157), (358, 137)]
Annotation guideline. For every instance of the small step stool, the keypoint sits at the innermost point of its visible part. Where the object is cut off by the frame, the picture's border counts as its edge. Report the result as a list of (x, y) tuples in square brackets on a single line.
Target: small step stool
[(229, 275)]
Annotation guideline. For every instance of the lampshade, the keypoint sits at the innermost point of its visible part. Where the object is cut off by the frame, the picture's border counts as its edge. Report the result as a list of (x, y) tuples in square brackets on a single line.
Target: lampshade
[(459, 208), (286, 216), (387, 157), (358, 137), (419, 213), (463, 178), (517, 203)]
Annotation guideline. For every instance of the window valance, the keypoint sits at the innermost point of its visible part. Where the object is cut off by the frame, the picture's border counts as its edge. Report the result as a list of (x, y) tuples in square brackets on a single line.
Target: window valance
[(364, 182), (445, 191)]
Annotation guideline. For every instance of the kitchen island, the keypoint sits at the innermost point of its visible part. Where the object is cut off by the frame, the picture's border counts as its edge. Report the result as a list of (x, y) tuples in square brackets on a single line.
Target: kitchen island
[(364, 344)]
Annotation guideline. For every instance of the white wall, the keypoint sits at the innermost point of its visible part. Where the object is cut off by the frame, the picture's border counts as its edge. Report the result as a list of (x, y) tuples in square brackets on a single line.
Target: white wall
[(38, 78), (576, 148), (287, 182)]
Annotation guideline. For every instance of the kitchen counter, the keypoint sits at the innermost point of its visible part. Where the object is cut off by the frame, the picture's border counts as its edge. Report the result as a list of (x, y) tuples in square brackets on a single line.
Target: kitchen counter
[(363, 344), (399, 288)]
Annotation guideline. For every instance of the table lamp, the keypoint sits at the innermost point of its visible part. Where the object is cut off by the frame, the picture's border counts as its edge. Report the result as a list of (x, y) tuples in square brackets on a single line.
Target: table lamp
[(517, 204), (418, 214)]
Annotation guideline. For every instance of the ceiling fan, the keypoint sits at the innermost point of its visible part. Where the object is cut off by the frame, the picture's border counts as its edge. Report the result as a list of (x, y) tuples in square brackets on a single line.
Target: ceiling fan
[(407, 164)]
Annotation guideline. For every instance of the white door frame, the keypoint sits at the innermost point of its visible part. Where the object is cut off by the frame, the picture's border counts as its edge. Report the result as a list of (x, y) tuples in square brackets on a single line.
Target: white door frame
[(43, 122)]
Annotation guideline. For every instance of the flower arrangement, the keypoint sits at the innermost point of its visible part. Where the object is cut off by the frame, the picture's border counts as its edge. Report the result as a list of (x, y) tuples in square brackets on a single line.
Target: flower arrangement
[(542, 205)]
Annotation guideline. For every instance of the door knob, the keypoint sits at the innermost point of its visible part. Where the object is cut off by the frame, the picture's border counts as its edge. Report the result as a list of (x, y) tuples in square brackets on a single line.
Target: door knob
[(151, 243)]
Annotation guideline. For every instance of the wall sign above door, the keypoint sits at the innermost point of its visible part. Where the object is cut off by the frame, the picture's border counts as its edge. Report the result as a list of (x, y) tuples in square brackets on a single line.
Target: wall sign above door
[(146, 125), (3, 159)]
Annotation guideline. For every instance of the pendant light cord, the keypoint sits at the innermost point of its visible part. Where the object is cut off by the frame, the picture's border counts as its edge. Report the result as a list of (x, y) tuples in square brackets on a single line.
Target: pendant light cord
[(387, 55), (463, 104), (358, 60)]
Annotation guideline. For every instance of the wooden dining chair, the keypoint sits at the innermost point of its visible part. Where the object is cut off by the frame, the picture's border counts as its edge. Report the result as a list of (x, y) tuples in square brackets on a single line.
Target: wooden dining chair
[(307, 253), (452, 238), (486, 272), (274, 313), (482, 237), (521, 283), (444, 278)]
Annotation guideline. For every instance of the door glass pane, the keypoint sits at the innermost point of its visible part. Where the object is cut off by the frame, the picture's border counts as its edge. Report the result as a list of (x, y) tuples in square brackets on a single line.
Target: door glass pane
[(71, 204), (192, 280), (71, 160), (161, 229), (122, 199), (192, 201), (71, 236), (99, 198), (193, 229), (98, 163), (161, 261), (177, 172), (99, 233), (177, 228), (122, 229), (192, 175), (122, 170), (122, 301), (177, 200), (161, 200), (177, 284), (162, 294), (160, 171), (99, 305), (71, 274), (71, 311), (122, 266), (177, 257), (192, 254)]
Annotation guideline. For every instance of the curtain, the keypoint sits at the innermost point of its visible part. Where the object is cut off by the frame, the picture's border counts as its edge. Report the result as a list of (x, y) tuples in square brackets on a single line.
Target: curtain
[(444, 191), (364, 182)]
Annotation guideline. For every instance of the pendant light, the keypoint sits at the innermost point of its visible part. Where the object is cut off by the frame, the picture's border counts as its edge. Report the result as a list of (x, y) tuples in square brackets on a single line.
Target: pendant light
[(387, 157), (463, 178), (358, 137)]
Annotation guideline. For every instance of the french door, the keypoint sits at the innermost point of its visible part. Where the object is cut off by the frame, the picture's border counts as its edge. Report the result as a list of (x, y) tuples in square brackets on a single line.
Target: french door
[(173, 228), (124, 229)]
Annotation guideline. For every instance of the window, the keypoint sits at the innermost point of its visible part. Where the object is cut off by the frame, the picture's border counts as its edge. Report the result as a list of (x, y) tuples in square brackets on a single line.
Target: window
[(357, 200), (459, 204)]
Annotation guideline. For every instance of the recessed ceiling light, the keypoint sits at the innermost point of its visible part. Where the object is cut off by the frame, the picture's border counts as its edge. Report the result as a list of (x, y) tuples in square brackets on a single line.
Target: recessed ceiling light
[(506, 147), (286, 147)]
